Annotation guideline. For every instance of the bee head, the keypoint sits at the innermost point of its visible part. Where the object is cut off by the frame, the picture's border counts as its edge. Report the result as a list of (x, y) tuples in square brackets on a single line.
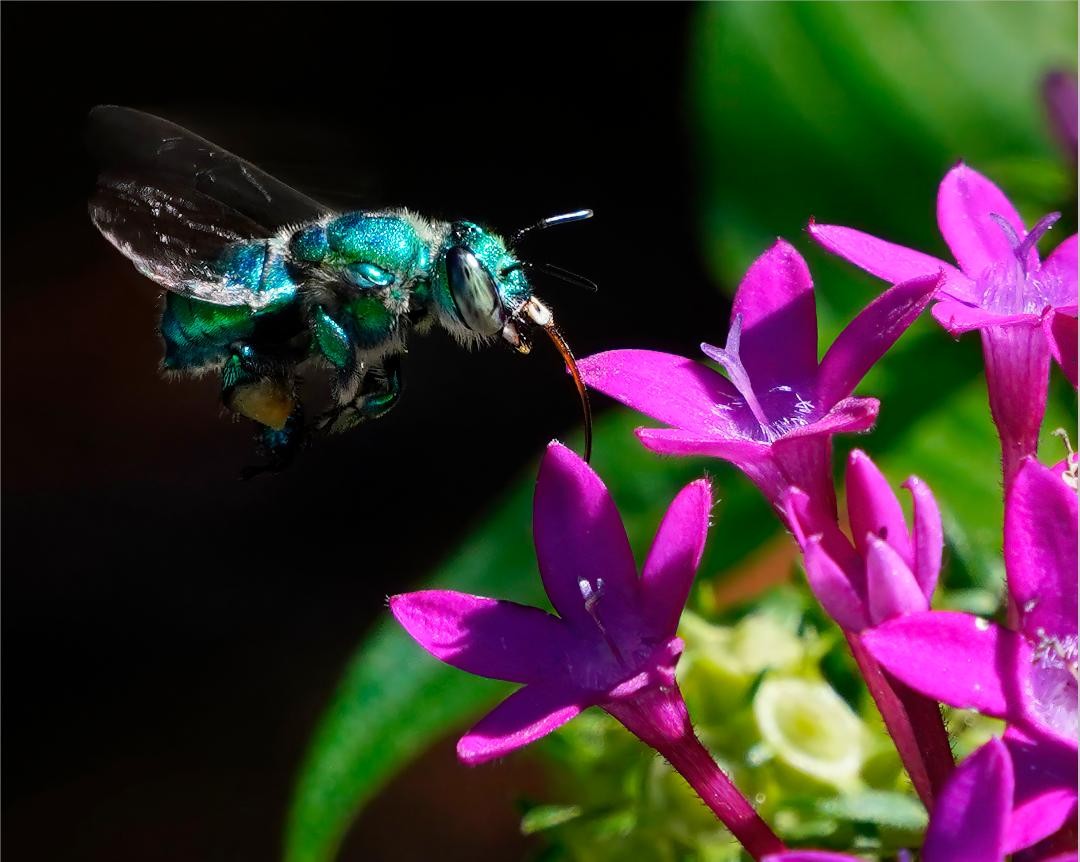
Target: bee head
[(479, 285), (481, 290)]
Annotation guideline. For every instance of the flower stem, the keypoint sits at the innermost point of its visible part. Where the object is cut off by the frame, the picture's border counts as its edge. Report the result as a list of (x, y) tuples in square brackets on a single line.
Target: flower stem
[(1017, 360), (914, 723), (658, 717)]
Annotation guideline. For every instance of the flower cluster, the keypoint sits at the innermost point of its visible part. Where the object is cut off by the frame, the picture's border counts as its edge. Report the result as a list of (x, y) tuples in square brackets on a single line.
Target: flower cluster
[(772, 410), (1024, 307)]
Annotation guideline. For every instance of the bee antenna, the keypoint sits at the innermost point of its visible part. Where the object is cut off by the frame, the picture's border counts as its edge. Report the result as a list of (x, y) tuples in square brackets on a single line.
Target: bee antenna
[(565, 275), (550, 221), (552, 270)]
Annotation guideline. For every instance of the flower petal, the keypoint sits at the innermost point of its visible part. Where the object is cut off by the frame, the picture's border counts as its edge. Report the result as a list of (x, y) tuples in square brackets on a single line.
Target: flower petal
[(865, 340), (776, 301), (957, 318), (527, 715), (873, 508), (893, 263), (928, 538), (810, 856), (671, 389), (486, 637), (674, 557), (966, 200), (674, 441), (847, 416), (1063, 343), (891, 588), (1059, 96), (580, 540), (1045, 794), (807, 518), (1040, 550), (958, 659), (1060, 271), (833, 588), (971, 814)]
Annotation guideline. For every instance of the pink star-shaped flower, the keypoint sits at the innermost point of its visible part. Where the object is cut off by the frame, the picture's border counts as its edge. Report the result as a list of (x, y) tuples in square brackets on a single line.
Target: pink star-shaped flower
[(1025, 308), (775, 413), (613, 644)]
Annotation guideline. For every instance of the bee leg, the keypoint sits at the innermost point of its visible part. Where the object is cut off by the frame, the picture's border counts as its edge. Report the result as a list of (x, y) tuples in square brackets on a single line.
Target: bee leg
[(278, 446), (264, 391), (379, 394), (257, 388)]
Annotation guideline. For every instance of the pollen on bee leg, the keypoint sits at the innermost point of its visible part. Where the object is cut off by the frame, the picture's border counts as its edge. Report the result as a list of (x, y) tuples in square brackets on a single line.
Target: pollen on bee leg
[(268, 402), (539, 313)]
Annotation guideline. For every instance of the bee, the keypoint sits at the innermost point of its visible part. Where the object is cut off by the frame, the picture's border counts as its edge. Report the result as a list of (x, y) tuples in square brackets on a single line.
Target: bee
[(263, 282)]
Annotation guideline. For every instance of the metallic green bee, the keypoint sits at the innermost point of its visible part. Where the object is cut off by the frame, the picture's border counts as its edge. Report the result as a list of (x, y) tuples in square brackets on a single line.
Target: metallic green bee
[(263, 281)]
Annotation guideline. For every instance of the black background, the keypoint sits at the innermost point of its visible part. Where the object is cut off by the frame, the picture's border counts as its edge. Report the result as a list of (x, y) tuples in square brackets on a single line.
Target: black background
[(170, 634)]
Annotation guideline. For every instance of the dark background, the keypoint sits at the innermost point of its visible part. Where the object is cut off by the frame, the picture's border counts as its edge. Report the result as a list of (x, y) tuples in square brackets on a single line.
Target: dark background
[(170, 633)]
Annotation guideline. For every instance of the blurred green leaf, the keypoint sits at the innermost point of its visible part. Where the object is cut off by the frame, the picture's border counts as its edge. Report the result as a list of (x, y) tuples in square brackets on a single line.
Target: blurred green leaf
[(852, 112), (544, 817), (880, 807)]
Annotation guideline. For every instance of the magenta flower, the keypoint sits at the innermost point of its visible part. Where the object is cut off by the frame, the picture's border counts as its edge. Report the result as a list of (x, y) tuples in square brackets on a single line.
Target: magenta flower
[(1026, 677), (970, 820), (1025, 308), (1060, 95), (890, 571), (613, 644), (776, 412)]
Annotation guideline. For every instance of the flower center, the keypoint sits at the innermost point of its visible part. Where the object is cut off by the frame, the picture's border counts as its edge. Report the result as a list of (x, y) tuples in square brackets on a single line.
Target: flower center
[(771, 415), (1008, 286), (592, 599), (1054, 683)]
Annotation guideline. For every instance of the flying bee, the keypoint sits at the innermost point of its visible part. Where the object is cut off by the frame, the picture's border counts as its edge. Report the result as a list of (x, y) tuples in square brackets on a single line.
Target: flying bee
[(263, 282)]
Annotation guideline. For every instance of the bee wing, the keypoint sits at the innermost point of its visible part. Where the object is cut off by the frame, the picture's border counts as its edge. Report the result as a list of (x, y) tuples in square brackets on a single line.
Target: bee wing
[(131, 142), (172, 237), (171, 202)]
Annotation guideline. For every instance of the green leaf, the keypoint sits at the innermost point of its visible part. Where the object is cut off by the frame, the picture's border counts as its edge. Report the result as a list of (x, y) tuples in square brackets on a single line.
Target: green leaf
[(544, 817), (880, 807), (839, 110)]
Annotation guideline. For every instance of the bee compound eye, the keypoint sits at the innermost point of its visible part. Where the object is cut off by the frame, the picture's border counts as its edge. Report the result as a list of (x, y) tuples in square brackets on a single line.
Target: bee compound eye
[(474, 293)]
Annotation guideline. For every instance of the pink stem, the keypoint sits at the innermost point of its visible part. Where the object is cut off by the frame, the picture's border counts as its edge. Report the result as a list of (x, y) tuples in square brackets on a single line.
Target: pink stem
[(658, 717), (1017, 360), (914, 723)]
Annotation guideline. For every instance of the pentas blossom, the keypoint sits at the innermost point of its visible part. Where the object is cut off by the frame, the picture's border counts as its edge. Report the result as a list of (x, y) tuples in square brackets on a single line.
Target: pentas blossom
[(613, 644), (889, 571), (970, 821), (1060, 95), (1026, 677), (775, 413), (1025, 308)]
